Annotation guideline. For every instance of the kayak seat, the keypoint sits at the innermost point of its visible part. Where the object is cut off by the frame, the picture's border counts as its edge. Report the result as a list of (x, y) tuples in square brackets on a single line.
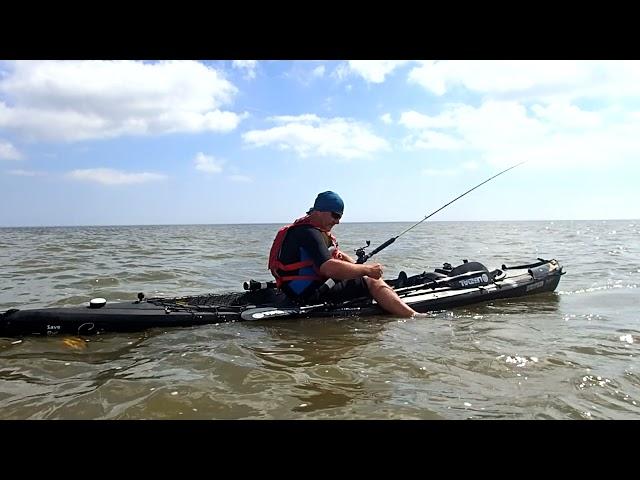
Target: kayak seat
[(424, 277), (468, 267)]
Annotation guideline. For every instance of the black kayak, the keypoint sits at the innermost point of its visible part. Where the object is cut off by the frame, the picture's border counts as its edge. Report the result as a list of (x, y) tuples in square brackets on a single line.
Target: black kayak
[(444, 288)]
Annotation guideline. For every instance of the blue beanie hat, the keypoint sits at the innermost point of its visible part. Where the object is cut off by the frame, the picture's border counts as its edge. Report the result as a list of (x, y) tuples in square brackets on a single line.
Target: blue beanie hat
[(328, 202)]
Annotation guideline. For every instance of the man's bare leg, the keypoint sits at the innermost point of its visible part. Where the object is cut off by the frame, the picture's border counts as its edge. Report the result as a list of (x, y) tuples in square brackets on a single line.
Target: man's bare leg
[(387, 298)]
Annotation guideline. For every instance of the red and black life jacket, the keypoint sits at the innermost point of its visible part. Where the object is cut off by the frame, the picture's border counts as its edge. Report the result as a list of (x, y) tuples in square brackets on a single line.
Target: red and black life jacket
[(280, 270)]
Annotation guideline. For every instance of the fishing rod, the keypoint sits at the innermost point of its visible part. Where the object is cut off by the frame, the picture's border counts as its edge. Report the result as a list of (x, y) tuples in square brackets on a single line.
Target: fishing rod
[(363, 257)]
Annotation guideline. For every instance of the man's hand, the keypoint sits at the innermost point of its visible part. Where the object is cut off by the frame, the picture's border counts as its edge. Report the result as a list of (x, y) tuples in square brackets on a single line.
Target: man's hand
[(345, 258), (374, 270), (342, 270)]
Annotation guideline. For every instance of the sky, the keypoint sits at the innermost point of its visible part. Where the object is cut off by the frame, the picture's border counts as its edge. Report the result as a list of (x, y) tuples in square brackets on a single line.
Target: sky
[(210, 142)]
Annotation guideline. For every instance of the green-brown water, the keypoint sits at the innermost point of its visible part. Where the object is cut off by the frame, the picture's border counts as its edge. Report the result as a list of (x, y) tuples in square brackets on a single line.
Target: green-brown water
[(567, 355)]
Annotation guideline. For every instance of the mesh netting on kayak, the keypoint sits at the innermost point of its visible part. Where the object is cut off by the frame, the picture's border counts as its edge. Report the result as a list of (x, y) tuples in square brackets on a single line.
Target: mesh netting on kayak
[(213, 299)]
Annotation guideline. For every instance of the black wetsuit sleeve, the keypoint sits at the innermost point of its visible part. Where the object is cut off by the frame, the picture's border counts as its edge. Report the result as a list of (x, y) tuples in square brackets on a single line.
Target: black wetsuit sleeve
[(313, 241)]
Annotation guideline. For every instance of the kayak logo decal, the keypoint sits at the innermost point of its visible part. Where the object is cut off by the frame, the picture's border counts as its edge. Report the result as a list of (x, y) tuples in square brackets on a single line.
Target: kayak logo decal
[(53, 329), (475, 280), (268, 314), (534, 286)]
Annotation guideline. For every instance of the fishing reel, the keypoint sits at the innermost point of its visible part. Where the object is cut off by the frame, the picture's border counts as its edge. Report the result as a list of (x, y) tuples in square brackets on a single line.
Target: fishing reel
[(362, 256)]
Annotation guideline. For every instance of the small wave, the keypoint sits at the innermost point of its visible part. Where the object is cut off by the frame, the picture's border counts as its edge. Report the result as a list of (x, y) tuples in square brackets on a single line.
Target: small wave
[(595, 289), (104, 281), (153, 276), (65, 276), (518, 360), (626, 338)]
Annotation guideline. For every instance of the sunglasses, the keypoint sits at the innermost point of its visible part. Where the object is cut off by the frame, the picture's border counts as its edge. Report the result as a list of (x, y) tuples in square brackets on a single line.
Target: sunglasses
[(337, 216)]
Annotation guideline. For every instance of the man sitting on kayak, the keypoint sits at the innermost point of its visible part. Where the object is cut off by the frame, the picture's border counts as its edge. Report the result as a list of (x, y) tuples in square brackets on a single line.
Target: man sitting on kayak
[(309, 267)]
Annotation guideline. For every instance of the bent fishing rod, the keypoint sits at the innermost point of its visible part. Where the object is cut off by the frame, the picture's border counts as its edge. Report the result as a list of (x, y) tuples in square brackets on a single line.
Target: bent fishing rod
[(363, 257)]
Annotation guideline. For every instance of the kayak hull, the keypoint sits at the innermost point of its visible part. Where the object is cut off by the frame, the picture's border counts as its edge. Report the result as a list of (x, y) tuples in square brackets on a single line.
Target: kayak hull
[(437, 292)]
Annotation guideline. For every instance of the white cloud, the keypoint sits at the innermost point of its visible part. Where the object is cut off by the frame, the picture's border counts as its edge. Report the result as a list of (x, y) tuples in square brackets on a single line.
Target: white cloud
[(470, 165), (310, 135), (207, 163), (386, 118), (304, 118), (548, 80), (318, 71), (8, 151), (372, 71), (564, 115), (448, 118), (249, 66), (305, 72), (342, 71), (430, 139), (80, 100), (108, 176), (26, 173), (506, 132)]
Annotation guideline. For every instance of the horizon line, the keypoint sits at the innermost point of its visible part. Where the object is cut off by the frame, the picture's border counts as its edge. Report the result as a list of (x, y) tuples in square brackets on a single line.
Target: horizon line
[(345, 223)]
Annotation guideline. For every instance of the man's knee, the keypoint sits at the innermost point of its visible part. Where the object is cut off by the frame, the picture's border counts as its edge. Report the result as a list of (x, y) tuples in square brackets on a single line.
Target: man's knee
[(375, 283)]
